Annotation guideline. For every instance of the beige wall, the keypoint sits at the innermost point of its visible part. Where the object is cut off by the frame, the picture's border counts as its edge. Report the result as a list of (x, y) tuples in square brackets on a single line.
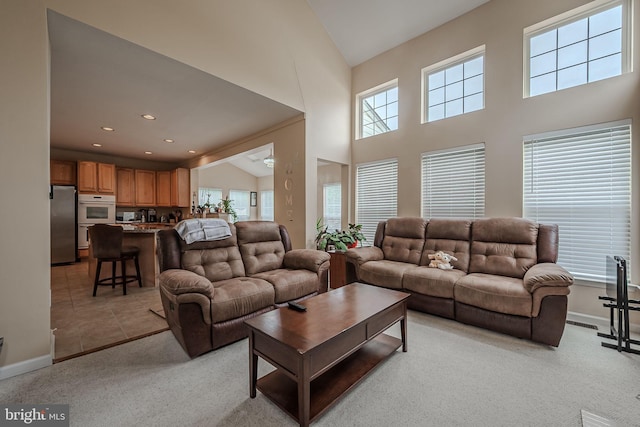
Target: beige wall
[(289, 173), (506, 118), (227, 177), (24, 136), (279, 50)]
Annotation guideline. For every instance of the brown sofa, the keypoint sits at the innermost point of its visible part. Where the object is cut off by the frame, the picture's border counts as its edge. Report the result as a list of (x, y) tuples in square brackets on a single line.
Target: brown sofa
[(209, 288), (505, 278)]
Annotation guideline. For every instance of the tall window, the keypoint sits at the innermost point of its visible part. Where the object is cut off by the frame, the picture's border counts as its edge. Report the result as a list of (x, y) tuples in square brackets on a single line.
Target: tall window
[(209, 195), (454, 86), (241, 202), (378, 110), (584, 45), (332, 206), (266, 205), (376, 194), (581, 180), (453, 183)]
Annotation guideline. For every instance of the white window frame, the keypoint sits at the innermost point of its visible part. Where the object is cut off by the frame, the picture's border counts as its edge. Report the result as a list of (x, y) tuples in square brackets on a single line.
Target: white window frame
[(591, 207), (443, 65), (367, 93), (453, 182), (380, 187), (589, 9)]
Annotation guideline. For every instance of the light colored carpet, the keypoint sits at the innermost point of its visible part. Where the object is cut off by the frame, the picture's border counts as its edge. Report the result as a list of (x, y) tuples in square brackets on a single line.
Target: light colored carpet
[(453, 375)]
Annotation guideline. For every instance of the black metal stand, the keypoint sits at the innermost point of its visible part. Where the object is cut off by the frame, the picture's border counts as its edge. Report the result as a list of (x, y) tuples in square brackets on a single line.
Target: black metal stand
[(621, 307)]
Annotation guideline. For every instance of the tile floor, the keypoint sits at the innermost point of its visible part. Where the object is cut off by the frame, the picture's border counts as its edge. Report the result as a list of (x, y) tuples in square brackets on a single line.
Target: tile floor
[(84, 323)]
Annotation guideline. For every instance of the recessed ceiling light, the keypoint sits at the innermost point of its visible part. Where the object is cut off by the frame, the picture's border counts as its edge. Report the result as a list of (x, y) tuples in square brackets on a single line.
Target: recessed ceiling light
[(192, 151), (148, 152), (148, 117), (169, 140), (97, 145), (107, 128)]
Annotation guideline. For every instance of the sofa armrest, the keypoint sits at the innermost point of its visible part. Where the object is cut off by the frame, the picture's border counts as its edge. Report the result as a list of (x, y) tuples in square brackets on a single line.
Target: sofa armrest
[(179, 282), (359, 256), (546, 274), (307, 259)]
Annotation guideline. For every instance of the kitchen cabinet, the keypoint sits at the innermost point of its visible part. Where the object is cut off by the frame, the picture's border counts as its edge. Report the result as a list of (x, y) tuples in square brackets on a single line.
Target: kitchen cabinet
[(106, 178), (145, 188), (62, 172), (96, 177), (163, 188), (181, 188), (125, 187)]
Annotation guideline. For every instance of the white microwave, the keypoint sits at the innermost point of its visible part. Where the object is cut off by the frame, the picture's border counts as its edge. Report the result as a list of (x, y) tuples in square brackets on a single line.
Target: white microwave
[(96, 209)]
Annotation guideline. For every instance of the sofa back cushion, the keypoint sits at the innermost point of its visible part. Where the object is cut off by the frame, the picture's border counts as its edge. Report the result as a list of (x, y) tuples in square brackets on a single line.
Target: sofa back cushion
[(260, 245), (216, 260), (503, 246), (404, 239), (452, 236)]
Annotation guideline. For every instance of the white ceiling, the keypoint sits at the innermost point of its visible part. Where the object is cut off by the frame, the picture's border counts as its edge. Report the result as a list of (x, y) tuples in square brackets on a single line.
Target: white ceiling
[(101, 80), (362, 29)]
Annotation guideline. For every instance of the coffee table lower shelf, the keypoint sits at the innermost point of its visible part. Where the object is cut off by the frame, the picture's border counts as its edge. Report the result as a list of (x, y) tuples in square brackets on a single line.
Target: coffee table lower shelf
[(331, 385)]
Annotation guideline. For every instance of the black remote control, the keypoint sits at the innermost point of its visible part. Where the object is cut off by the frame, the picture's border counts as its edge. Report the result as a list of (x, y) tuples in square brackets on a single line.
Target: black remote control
[(297, 307)]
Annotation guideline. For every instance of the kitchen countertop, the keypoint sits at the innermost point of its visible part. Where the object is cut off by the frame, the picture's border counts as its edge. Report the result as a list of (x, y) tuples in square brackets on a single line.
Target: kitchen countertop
[(145, 227)]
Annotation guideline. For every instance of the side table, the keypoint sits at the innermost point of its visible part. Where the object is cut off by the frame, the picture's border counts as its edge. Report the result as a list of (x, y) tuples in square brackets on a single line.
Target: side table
[(337, 269)]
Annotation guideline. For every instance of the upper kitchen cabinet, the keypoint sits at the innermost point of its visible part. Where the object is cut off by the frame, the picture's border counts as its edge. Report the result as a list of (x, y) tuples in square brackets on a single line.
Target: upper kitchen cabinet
[(180, 188), (145, 188), (106, 178), (126, 187), (63, 172), (163, 189), (96, 177)]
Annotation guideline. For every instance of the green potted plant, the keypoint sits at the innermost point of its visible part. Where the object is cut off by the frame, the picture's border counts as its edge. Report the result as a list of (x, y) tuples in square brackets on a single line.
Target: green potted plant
[(340, 240), (226, 206), (355, 231)]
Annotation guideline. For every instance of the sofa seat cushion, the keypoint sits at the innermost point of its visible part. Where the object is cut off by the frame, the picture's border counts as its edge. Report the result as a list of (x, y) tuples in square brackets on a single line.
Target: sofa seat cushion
[(431, 281), (496, 293), (240, 296), (290, 284), (384, 273)]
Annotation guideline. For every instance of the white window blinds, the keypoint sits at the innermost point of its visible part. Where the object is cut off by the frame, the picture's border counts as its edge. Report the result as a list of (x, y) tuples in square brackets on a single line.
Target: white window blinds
[(376, 195), (581, 180), (453, 183), (332, 206), (266, 205), (240, 204), (212, 196)]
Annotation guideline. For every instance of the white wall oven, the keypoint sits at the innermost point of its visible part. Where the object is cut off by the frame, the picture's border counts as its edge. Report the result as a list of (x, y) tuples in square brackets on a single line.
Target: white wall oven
[(94, 209)]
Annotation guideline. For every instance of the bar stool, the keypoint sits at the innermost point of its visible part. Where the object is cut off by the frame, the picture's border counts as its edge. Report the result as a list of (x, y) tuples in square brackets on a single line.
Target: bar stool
[(106, 244)]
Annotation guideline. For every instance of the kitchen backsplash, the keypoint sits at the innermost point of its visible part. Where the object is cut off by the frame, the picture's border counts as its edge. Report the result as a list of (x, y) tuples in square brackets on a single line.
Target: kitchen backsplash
[(124, 213)]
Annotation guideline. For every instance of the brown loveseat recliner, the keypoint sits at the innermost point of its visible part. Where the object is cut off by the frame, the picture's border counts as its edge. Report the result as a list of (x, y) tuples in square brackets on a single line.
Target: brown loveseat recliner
[(208, 288), (505, 277)]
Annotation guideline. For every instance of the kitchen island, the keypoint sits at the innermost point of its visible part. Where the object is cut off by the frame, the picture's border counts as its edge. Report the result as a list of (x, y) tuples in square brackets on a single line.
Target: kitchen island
[(142, 235)]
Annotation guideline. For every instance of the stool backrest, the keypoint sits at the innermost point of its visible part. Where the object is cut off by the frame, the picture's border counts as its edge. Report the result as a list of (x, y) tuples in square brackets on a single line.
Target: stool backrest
[(106, 240)]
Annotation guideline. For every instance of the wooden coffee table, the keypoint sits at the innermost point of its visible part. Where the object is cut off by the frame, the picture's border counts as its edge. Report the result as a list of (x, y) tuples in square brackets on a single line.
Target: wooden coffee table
[(323, 352)]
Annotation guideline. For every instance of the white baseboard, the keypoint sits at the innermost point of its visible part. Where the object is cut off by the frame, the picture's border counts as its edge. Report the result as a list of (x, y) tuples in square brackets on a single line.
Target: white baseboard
[(25, 366), (601, 322)]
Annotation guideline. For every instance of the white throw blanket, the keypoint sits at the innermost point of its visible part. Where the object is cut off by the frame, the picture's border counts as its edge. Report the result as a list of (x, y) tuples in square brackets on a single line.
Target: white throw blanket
[(196, 230)]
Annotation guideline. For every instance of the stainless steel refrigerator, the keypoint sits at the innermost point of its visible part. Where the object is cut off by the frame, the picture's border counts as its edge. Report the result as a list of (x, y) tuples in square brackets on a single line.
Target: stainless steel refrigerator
[(64, 240)]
